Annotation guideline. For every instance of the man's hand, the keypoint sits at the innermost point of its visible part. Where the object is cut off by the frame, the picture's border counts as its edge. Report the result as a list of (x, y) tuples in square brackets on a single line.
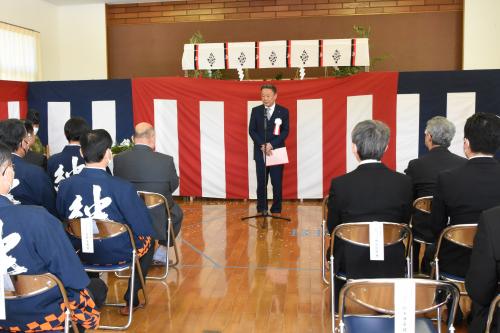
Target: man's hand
[(269, 149)]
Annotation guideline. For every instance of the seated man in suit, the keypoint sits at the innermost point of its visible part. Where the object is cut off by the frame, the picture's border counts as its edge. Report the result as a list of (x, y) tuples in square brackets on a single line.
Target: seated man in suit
[(152, 172), (94, 193), (463, 193), (424, 171), (35, 243), (483, 276), (31, 186), (32, 156), (371, 192), (69, 161)]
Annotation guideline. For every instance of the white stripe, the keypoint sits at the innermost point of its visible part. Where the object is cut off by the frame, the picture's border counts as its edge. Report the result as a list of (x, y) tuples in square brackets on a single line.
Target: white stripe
[(57, 115), (166, 128), (252, 176), (359, 108), (309, 152), (407, 129), (459, 107), (213, 165), (14, 110), (104, 116)]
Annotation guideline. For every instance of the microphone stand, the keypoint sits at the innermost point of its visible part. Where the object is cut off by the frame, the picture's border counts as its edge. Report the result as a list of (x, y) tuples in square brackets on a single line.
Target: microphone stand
[(265, 212)]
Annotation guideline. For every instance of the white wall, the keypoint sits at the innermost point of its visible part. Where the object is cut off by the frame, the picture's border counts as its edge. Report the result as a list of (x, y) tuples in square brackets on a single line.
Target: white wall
[(72, 38), (481, 31), (42, 17), (82, 33)]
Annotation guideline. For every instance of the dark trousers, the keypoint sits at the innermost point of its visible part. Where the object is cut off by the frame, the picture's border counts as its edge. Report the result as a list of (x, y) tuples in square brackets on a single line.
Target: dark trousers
[(145, 262), (98, 291), (276, 173)]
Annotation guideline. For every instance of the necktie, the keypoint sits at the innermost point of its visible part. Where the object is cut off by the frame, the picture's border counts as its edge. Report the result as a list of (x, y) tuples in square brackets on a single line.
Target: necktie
[(268, 113)]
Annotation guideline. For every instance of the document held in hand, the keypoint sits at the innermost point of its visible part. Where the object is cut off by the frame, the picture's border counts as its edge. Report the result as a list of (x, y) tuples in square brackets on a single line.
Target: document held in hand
[(278, 156)]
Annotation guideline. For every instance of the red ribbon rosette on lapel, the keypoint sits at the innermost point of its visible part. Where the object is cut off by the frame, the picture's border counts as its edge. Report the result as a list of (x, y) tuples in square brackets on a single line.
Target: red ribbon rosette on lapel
[(277, 126)]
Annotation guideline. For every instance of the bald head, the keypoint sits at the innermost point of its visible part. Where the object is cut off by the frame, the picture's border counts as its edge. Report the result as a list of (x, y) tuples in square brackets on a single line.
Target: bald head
[(144, 133)]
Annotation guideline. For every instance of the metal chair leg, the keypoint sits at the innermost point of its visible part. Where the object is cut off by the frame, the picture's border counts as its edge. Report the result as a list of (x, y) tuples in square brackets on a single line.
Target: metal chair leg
[(323, 254)]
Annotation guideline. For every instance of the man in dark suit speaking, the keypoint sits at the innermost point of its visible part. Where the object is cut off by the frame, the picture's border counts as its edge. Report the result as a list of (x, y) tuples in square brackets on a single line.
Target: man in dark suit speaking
[(152, 172), (268, 129)]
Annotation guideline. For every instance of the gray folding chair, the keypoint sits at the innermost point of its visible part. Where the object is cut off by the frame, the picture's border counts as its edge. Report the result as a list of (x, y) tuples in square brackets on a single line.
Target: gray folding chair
[(372, 305), (358, 233), (423, 205), (26, 286), (107, 230), (324, 233), (493, 307)]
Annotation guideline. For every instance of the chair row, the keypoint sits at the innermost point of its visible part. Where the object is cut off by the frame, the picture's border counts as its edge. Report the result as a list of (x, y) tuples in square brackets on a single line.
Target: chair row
[(26, 286)]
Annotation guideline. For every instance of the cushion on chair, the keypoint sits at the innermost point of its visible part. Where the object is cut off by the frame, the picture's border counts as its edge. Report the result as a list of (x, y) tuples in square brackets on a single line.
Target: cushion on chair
[(110, 268), (452, 277), (361, 324)]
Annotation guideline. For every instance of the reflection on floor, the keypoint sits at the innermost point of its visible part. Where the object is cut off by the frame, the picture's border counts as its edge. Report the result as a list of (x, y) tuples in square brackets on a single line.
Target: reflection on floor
[(234, 276)]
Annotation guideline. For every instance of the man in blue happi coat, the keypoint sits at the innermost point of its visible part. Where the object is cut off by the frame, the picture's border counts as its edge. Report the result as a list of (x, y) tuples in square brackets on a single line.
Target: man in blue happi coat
[(69, 161), (34, 242), (94, 193), (31, 186)]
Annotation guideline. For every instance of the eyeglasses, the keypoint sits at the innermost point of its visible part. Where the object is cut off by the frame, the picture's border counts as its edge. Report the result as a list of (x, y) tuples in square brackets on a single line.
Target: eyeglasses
[(5, 170)]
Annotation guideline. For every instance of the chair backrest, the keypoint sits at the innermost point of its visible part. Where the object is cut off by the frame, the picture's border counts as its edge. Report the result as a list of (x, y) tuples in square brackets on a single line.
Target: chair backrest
[(324, 208), (30, 285), (460, 234), (107, 229), (26, 286), (376, 296), (493, 307), (423, 204), (358, 233), (153, 199)]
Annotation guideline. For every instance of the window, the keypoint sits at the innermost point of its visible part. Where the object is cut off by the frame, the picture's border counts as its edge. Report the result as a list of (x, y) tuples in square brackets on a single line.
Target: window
[(19, 53)]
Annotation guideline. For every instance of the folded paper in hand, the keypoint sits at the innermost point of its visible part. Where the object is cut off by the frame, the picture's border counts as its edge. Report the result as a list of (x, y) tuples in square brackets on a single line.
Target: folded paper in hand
[(278, 156)]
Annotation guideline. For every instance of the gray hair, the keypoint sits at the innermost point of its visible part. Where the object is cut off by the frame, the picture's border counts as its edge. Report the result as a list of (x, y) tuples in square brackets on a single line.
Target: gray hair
[(371, 138), (441, 130)]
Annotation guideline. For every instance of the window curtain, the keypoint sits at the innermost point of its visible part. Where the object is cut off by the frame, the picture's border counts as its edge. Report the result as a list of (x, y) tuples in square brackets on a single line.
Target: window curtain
[(19, 53)]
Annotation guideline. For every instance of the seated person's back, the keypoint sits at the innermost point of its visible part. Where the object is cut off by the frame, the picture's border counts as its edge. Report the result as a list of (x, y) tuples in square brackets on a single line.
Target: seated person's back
[(464, 192), (31, 186), (36, 243), (483, 276), (424, 170), (150, 171), (69, 161), (371, 192)]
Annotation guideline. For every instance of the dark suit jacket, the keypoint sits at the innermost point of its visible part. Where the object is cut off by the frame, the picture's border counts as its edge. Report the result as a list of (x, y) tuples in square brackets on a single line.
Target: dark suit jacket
[(461, 195), (36, 159), (35, 187), (153, 172), (256, 129), (484, 270), (424, 172), (372, 192)]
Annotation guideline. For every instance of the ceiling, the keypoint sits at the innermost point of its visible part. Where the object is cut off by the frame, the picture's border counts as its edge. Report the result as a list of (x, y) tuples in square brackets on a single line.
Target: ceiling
[(81, 2)]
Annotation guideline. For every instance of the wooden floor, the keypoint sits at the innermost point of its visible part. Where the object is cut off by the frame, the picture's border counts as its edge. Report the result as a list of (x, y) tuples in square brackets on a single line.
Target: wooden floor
[(259, 276)]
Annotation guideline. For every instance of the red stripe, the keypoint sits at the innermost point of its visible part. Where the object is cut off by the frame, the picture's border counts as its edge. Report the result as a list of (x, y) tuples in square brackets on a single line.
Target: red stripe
[(384, 109), (320, 53), (353, 52), (288, 54), (257, 57), (334, 137), (226, 54), (196, 55), (4, 113), (23, 109), (235, 141), (188, 117)]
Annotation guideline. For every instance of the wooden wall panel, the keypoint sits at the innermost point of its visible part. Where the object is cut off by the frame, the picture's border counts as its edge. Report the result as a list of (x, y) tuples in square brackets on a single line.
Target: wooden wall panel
[(412, 41)]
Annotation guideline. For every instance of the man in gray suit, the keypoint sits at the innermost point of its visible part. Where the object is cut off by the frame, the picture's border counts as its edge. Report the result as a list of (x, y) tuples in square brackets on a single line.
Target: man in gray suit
[(153, 172)]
